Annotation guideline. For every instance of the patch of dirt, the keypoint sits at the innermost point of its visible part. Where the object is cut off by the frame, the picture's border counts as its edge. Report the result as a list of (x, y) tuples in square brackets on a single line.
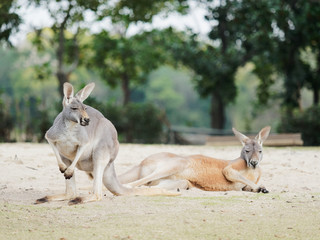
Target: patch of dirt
[(289, 211)]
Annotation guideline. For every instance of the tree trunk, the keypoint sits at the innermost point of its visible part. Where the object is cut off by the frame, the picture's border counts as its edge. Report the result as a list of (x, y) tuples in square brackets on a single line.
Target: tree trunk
[(61, 74), (217, 112), (126, 99), (315, 89), (62, 78), (316, 83), (125, 89)]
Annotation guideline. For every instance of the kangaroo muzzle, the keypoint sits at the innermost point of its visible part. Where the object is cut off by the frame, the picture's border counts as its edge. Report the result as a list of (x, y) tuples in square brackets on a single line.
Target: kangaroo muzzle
[(254, 164), (84, 121)]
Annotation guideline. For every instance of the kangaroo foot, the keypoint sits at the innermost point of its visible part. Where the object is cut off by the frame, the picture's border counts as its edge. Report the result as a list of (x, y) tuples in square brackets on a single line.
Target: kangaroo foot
[(42, 200), (263, 189), (62, 168), (68, 173), (75, 201)]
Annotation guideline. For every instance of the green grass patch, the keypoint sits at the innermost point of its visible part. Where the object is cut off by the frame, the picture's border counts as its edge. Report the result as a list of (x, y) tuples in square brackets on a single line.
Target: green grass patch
[(254, 216)]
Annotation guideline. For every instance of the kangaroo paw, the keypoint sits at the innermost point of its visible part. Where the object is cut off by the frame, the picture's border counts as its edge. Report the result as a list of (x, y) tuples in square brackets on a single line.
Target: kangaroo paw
[(247, 189), (41, 200), (68, 174), (75, 201), (263, 190), (62, 168)]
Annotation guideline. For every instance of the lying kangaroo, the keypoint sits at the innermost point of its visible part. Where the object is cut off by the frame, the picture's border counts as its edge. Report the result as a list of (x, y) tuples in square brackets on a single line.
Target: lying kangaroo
[(82, 137), (172, 171)]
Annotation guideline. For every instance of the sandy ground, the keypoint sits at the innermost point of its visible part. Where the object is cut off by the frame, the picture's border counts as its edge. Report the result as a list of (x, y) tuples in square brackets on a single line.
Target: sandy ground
[(289, 211)]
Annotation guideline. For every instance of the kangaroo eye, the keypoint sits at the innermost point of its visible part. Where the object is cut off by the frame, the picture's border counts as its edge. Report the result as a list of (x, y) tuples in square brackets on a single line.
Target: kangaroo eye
[(74, 108), (260, 151), (247, 151)]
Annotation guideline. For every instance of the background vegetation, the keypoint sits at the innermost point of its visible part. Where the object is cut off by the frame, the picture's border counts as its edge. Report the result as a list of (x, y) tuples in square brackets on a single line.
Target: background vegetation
[(258, 65)]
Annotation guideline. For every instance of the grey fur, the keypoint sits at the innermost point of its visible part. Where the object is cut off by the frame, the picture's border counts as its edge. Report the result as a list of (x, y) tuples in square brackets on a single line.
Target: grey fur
[(82, 137)]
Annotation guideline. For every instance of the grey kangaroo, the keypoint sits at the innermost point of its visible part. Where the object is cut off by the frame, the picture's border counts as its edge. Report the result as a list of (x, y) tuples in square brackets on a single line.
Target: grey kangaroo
[(82, 137)]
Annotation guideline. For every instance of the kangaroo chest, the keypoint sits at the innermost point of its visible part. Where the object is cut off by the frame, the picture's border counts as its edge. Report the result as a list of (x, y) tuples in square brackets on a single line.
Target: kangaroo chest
[(214, 180), (207, 174), (69, 141)]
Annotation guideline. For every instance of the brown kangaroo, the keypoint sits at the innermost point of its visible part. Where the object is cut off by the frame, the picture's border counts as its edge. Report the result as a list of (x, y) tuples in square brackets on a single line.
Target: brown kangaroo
[(171, 171), (82, 137)]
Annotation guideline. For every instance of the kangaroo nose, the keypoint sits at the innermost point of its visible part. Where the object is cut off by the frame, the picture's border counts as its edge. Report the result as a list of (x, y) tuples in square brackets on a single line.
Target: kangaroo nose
[(85, 121), (254, 164)]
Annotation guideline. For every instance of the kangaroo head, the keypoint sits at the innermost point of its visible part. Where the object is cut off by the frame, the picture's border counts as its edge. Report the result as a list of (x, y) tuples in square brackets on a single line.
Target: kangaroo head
[(73, 108), (252, 148)]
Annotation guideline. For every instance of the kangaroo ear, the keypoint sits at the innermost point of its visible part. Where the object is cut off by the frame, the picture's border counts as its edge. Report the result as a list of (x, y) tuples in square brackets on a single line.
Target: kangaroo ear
[(85, 92), (68, 93), (263, 134), (242, 138)]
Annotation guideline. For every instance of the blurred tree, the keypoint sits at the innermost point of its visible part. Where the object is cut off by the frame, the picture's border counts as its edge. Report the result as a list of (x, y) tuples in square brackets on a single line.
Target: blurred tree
[(67, 30), (127, 12), (171, 89), (127, 60), (9, 20), (26, 103), (289, 19), (271, 34), (213, 64), (213, 70), (238, 35), (6, 124), (214, 75), (135, 122), (69, 26), (309, 19)]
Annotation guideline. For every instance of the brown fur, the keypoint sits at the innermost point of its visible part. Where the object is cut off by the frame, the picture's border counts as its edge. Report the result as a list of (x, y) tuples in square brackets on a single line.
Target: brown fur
[(169, 170)]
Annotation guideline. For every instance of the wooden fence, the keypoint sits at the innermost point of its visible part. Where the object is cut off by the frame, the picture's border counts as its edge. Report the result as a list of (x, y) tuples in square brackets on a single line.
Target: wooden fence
[(274, 140)]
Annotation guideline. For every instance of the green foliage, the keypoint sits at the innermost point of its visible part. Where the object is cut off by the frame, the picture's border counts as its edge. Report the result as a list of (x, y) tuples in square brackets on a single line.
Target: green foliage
[(306, 122), (127, 11), (135, 122), (242, 31), (9, 20), (143, 123), (271, 34), (161, 91), (246, 113), (26, 103), (127, 61), (6, 123), (171, 89), (278, 37), (309, 126), (214, 71), (65, 35)]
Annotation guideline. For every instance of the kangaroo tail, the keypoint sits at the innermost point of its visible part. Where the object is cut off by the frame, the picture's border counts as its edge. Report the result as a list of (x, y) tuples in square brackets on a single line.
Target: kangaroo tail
[(111, 182), (147, 191)]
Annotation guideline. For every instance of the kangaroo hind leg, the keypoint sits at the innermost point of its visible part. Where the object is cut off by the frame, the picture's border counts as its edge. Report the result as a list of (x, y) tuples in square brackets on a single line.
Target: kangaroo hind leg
[(160, 170), (131, 175), (70, 193), (101, 159), (172, 184)]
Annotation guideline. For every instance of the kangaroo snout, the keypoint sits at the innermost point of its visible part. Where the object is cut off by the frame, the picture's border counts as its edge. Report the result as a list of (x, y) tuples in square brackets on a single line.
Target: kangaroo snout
[(84, 121), (254, 163)]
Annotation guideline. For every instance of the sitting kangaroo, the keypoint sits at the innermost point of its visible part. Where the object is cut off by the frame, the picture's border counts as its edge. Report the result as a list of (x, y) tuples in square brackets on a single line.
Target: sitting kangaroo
[(82, 137), (171, 171)]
